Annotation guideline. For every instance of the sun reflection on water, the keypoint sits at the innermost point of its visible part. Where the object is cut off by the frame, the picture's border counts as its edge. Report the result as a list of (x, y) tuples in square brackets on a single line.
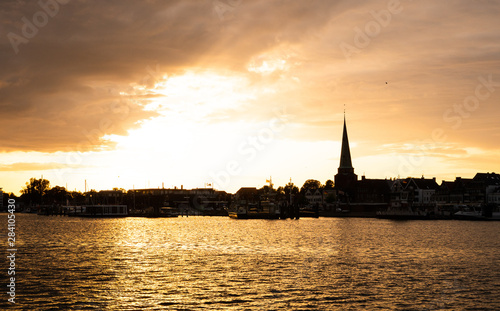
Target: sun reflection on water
[(203, 263)]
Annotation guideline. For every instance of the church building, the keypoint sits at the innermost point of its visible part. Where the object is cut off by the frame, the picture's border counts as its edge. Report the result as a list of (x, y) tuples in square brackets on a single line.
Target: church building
[(367, 195), (345, 179)]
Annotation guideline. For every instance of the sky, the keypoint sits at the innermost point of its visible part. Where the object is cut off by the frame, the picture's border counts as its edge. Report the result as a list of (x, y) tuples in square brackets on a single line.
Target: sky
[(228, 93)]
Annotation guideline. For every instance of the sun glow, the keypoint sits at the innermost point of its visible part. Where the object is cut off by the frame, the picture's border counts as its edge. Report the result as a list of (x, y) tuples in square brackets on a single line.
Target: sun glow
[(280, 59), (195, 132), (198, 95)]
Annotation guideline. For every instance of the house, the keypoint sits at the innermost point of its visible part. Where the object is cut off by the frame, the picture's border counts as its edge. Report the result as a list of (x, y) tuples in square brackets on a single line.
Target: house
[(315, 196), (477, 190), (456, 192), (486, 185), (493, 194), (247, 195), (422, 191), (413, 192)]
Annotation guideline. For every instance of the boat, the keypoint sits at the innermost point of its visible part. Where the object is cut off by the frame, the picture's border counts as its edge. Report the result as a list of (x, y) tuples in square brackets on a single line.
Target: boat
[(96, 210), (261, 210), (495, 216), (472, 213), (404, 214), (469, 213), (168, 211)]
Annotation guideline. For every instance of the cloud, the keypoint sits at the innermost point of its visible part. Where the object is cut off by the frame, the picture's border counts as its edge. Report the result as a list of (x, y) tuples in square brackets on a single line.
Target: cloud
[(65, 82), (76, 80), (23, 166)]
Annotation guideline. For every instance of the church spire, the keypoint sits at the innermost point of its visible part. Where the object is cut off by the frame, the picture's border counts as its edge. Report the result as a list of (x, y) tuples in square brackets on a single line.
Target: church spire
[(345, 179), (345, 154)]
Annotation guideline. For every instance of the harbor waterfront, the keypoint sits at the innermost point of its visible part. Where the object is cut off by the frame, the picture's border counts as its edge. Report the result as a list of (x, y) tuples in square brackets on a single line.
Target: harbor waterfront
[(476, 198), (217, 263), (250, 155)]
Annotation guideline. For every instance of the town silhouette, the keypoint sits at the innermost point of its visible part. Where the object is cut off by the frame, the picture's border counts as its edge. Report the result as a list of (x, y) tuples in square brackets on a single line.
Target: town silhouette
[(346, 196)]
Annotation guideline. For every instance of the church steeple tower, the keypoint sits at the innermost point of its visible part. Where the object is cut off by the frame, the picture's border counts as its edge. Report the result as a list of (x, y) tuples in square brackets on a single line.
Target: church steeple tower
[(345, 153), (345, 180)]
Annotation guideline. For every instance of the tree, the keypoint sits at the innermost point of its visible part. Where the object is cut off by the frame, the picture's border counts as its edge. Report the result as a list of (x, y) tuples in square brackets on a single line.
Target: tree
[(76, 198), (35, 190), (290, 187), (266, 189), (289, 192), (90, 196), (56, 195), (329, 185), (310, 184)]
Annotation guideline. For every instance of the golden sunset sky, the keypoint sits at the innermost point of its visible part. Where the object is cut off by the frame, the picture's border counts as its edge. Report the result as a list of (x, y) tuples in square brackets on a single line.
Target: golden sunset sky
[(137, 94)]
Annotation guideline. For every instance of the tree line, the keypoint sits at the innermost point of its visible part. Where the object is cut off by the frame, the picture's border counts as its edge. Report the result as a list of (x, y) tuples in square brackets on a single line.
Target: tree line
[(38, 192), (283, 192)]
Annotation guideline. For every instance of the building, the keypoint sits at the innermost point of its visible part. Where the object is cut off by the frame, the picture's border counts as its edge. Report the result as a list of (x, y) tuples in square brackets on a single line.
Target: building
[(366, 196), (363, 198), (493, 195), (115, 196), (421, 191), (345, 179), (373, 191), (486, 187), (314, 196), (476, 191), (206, 200)]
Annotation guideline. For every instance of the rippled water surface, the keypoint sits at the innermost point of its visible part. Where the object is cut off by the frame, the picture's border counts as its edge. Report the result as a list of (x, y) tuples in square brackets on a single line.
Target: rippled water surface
[(216, 263)]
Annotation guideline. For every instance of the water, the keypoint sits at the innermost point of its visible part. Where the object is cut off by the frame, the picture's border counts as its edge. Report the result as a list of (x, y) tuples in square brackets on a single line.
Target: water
[(203, 263)]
